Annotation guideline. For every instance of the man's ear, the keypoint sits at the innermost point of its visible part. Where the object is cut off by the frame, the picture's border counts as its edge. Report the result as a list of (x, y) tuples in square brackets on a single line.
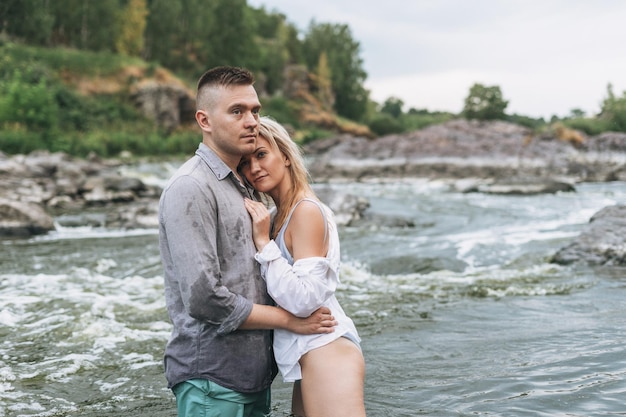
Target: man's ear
[(203, 120)]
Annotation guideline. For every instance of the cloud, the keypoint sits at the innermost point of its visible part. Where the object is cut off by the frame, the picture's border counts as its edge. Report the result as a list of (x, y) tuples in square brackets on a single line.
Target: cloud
[(547, 57)]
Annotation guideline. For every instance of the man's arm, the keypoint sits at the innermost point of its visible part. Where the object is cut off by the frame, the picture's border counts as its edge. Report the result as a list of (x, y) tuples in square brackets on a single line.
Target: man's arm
[(269, 317)]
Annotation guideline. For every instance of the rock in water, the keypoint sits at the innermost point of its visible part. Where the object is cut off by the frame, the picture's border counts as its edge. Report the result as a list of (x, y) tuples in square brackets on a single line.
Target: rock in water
[(19, 218), (602, 242)]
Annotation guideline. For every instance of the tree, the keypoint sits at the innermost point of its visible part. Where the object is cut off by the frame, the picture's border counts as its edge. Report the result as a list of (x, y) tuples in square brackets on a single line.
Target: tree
[(232, 35), (324, 83), (178, 35), (132, 23), (29, 20), (345, 64), (273, 39), (576, 113), (392, 106), (485, 103), (614, 110), (85, 24)]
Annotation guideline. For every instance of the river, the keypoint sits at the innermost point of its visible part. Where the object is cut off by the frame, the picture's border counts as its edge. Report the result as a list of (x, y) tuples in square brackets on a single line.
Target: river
[(461, 315)]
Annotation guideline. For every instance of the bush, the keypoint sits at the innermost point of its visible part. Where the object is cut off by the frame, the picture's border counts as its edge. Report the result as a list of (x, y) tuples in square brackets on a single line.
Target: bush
[(415, 121), (15, 139), (385, 124), (29, 104), (526, 121), (181, 143), (281, 110), (310, 135), (591, 127)]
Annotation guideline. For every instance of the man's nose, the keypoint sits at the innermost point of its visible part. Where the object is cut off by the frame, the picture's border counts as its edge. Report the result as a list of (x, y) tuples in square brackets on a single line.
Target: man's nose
[(251, 119)]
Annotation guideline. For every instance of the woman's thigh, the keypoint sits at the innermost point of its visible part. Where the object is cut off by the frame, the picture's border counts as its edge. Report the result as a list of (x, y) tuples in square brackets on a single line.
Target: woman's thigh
[(332, 380)]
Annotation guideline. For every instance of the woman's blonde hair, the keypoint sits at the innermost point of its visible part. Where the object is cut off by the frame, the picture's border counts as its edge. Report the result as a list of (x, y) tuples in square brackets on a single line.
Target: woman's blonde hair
[(279, 138)]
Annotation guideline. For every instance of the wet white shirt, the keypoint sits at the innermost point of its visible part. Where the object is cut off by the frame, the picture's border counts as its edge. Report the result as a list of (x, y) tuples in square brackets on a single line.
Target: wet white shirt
[(302, 287)]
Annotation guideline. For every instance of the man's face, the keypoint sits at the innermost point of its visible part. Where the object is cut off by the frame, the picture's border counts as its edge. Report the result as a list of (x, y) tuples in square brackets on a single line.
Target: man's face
[(233, 120)]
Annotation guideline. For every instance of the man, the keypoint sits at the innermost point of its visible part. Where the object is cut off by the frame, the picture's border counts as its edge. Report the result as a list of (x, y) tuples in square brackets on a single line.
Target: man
[(219, 358)]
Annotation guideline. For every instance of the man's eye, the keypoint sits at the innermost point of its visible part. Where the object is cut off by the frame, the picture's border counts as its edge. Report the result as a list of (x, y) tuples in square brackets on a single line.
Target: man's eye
[(236, 111), (256, 111)]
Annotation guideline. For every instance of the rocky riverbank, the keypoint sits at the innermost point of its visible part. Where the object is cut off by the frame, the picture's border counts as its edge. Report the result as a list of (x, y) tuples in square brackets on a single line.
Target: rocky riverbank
[(42, 191), (461, 149), (42, 188)]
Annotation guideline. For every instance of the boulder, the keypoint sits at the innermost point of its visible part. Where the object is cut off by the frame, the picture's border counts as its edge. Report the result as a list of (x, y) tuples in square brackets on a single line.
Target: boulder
[(523, 186), (18, 218), (347, 208), (602, 242), (167, 103)]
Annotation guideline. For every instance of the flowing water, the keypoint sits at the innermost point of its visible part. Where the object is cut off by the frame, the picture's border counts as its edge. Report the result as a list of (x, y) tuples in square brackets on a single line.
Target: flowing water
[(461, 315)]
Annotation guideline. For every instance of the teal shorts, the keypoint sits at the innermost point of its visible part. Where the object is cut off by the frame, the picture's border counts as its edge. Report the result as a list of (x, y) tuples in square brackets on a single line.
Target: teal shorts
[(203, 398)]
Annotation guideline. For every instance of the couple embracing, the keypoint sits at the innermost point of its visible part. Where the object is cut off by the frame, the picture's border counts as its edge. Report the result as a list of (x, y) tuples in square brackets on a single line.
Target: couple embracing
[(248, 290)]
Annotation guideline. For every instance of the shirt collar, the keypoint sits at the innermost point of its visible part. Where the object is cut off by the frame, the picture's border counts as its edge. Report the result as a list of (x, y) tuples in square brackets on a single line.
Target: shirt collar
[(219, 168)]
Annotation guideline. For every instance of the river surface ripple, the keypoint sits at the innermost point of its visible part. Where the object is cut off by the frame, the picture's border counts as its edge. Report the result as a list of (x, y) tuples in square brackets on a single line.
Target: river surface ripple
[(461, 315)]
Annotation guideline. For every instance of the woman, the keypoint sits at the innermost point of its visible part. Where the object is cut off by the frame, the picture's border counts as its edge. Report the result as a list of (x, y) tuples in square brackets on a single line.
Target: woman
[(299, 260)]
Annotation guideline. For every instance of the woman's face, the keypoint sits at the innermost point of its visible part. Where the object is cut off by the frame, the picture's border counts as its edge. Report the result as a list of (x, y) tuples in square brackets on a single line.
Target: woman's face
[(266, 168)]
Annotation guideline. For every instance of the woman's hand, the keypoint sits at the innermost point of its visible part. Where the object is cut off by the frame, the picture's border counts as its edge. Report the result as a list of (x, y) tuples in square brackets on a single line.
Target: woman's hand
[(260, 216)]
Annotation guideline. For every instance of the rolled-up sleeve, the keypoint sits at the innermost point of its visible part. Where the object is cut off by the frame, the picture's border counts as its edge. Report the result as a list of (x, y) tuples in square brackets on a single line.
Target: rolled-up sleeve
[(300, 288)]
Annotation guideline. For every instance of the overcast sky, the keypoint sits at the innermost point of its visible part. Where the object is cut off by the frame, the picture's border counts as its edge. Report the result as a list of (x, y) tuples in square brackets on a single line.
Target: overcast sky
[(547, 56)]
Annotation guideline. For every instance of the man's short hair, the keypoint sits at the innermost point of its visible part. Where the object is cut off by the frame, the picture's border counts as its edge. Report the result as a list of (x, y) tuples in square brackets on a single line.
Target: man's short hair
[(223, 76), (226, 76)]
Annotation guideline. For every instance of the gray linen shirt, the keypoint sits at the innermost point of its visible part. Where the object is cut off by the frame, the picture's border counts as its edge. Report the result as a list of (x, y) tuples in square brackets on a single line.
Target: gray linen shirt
[(212, 279)]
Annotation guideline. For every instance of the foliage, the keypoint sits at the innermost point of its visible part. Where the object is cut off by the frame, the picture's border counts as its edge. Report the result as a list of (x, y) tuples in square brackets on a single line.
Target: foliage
[(82, 24), (310, 135), (59, 60), (26, 19), (28, 104), (15, 139), (613, 110), (384, 124), (280, 109), (231, 35), (485, 103), (49, 47), (132, 22), (526, 121), (345, 65), (324, 83), (392, 106), (416, 120), (591, 126), (38, 111)]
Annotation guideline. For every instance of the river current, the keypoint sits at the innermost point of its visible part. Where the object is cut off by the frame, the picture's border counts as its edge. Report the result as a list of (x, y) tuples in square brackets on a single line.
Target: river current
[(461, 315)]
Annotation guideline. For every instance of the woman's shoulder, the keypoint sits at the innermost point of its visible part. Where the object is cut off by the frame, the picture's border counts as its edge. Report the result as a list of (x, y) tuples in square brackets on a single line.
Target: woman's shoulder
[(310, 207), (307, 208)]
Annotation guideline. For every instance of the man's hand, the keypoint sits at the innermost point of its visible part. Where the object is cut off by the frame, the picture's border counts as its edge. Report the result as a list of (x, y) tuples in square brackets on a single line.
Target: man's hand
[(321, 321), (270, 317)]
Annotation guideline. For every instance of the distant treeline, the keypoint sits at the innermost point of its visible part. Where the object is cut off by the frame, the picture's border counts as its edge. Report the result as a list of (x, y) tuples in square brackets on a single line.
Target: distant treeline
[(190, 36), (44, 42)]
